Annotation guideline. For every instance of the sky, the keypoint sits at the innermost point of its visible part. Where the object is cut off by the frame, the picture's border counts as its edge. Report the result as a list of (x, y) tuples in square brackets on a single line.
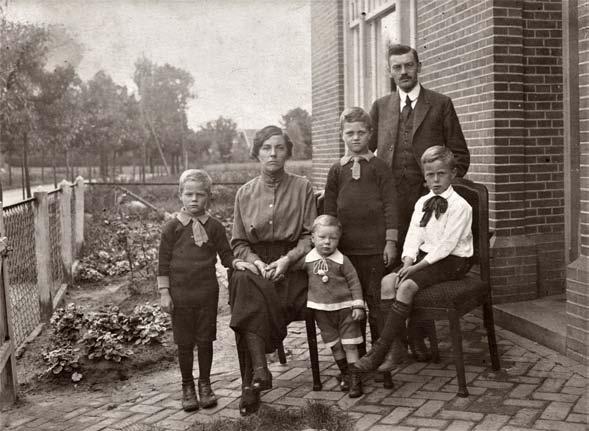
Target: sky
[(250, 59)]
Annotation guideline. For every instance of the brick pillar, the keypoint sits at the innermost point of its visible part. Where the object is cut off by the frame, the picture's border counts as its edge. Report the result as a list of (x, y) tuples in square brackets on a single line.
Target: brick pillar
[(327, 66), (577, 282)]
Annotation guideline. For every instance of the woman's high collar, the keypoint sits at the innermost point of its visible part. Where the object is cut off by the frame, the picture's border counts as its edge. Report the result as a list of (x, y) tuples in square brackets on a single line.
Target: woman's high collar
[(274, 178)]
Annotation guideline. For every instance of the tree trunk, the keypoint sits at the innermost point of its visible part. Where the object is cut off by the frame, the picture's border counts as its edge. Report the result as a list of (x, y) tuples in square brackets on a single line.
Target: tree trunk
[(67, 164), (26, 163), (9, 174), (22, 175), (43, 166), (53, 166)]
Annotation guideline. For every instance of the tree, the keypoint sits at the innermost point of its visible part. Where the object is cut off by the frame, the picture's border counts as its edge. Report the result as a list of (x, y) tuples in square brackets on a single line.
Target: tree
[(23, 58), (219, 135), (298, 123), (164, 93)]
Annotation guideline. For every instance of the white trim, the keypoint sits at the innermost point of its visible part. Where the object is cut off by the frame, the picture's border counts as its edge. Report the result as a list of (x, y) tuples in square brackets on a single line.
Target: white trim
[(334, 307), (349, 341)]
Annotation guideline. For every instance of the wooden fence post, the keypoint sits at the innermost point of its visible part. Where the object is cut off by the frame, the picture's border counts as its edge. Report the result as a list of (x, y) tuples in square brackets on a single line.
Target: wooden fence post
[(65, 212), (43, 255), (8, 381), (79, 214)]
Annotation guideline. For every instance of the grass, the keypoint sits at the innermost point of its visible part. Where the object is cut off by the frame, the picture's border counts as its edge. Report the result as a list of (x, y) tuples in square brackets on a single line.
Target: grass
[(313, 416)]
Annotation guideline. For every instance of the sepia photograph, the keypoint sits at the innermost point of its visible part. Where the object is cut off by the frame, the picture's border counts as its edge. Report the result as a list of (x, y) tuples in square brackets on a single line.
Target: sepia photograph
[(294, 215)]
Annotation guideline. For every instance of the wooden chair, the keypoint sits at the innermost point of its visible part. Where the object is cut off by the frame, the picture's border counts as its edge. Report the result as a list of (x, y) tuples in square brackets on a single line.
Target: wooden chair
[(309, 317), (452, 299)]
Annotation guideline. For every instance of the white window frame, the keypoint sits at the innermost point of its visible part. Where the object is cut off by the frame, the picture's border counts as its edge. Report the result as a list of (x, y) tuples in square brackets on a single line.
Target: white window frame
[(362, 20)]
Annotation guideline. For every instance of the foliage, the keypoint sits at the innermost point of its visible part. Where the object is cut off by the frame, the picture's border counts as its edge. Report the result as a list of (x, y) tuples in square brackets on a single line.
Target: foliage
[(130, 246), (64, 359), (68, 322), (298, 124), (105, 334), (218, 136)]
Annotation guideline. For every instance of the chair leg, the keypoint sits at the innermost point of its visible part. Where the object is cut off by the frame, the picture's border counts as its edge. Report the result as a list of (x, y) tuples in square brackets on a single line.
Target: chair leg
[(432, 336), (490, 327), (281, 354), (313, 352), (456, 334)]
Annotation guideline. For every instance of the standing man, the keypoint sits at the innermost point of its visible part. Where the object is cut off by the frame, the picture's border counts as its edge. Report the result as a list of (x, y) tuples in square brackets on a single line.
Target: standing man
[(407, 122)]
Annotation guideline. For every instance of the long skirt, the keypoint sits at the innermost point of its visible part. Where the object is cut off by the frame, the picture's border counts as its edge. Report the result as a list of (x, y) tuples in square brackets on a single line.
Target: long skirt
[(264, 307)]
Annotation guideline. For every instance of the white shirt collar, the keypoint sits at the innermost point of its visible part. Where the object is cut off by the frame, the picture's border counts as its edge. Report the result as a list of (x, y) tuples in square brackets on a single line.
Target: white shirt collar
[(314, 255), (185, 218), (446, 195), (413, 94), (348, 157)]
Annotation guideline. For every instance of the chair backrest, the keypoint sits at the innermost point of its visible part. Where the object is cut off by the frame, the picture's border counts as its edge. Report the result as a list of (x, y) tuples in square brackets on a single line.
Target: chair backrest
[(478, 197)]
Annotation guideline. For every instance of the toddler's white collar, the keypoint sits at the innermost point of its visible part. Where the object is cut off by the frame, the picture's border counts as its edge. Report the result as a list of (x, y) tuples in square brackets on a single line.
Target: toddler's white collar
[(314, 255)]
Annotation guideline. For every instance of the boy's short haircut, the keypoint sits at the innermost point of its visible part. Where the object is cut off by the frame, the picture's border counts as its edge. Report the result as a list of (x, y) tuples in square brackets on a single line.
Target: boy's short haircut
[(439, 152), (355, 114), (327, 220), (197, 175)]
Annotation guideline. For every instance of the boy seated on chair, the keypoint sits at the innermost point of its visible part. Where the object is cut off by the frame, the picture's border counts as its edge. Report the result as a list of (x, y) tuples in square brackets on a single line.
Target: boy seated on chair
[(437, 248)]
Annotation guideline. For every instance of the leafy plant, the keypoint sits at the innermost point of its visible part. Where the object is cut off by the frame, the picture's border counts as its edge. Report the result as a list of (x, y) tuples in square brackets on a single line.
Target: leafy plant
[(68, 322), (64, 360), (105, 345)]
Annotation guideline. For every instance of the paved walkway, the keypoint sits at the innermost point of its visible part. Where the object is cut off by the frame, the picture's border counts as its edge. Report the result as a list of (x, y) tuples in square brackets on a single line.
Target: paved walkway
[(536, 388)]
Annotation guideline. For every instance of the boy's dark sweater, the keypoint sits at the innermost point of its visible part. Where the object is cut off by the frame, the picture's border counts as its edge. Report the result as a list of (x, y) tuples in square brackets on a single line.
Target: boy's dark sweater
[(191, 269), (365, 207)]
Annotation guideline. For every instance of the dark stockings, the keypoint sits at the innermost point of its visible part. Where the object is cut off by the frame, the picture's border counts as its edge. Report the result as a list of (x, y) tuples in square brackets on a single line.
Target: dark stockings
[(186, 361)]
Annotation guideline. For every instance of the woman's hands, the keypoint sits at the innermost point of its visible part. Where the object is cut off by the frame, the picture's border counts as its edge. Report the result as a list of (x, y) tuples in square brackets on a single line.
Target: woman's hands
[(274, 271), (166, 301), (242, 265), (278, 268)]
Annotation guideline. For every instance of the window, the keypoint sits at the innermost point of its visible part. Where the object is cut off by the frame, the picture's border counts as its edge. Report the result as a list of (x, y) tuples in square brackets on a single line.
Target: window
[(370, 26)]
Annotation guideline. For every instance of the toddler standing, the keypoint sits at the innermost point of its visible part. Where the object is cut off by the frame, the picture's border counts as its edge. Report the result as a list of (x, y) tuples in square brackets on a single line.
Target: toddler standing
[(336, 296)]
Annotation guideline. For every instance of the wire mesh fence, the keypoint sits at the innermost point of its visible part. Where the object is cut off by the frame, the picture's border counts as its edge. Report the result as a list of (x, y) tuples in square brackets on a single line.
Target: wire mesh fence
[(21, 227), (23, 298)]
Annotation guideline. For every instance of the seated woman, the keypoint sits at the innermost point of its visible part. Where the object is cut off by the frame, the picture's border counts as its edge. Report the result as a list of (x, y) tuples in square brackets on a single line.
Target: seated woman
[(272, 224)]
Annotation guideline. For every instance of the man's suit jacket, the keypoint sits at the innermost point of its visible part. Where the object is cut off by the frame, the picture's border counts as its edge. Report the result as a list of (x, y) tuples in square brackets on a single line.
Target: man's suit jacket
[(434, 123)]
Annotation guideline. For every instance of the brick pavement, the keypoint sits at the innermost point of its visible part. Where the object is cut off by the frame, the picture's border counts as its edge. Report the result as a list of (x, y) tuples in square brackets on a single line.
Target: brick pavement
[(536, 389)]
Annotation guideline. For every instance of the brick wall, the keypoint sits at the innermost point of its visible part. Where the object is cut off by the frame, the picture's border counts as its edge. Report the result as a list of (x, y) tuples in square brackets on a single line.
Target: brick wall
[(578, 270), (327, 67), (500, 61)]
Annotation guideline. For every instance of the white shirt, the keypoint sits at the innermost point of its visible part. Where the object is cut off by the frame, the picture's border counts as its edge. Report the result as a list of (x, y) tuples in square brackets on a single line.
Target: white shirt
[(450, 234), (413, 95)]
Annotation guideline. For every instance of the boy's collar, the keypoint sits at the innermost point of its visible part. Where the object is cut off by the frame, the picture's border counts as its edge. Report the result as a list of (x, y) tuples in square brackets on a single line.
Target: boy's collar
[(314, 255), (185, 217), (348, 157), (446, 194)]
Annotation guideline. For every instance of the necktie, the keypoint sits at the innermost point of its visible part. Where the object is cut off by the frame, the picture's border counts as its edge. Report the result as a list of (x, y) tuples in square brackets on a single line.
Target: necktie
[(407, 109), (356, 168), (435, 204), (198, 230)]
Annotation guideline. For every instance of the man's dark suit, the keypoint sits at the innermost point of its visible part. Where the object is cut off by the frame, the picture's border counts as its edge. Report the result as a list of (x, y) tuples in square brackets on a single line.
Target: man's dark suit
[(434, 123)]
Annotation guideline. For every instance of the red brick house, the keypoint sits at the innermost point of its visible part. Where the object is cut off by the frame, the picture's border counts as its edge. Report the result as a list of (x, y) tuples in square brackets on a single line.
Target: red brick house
[(518, 73)]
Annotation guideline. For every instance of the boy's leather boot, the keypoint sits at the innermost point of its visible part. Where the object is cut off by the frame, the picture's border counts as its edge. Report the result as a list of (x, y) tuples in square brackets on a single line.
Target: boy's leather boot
[(355, 382), (189, 400), (396, 356), (344, 383), (262, 377), (393, 328), (206, 395)]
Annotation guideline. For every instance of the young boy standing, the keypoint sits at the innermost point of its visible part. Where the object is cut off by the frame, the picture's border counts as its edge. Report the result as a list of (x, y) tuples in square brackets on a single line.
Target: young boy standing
[(438, 248), (336, 296), (187, 282), (359, 192)]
